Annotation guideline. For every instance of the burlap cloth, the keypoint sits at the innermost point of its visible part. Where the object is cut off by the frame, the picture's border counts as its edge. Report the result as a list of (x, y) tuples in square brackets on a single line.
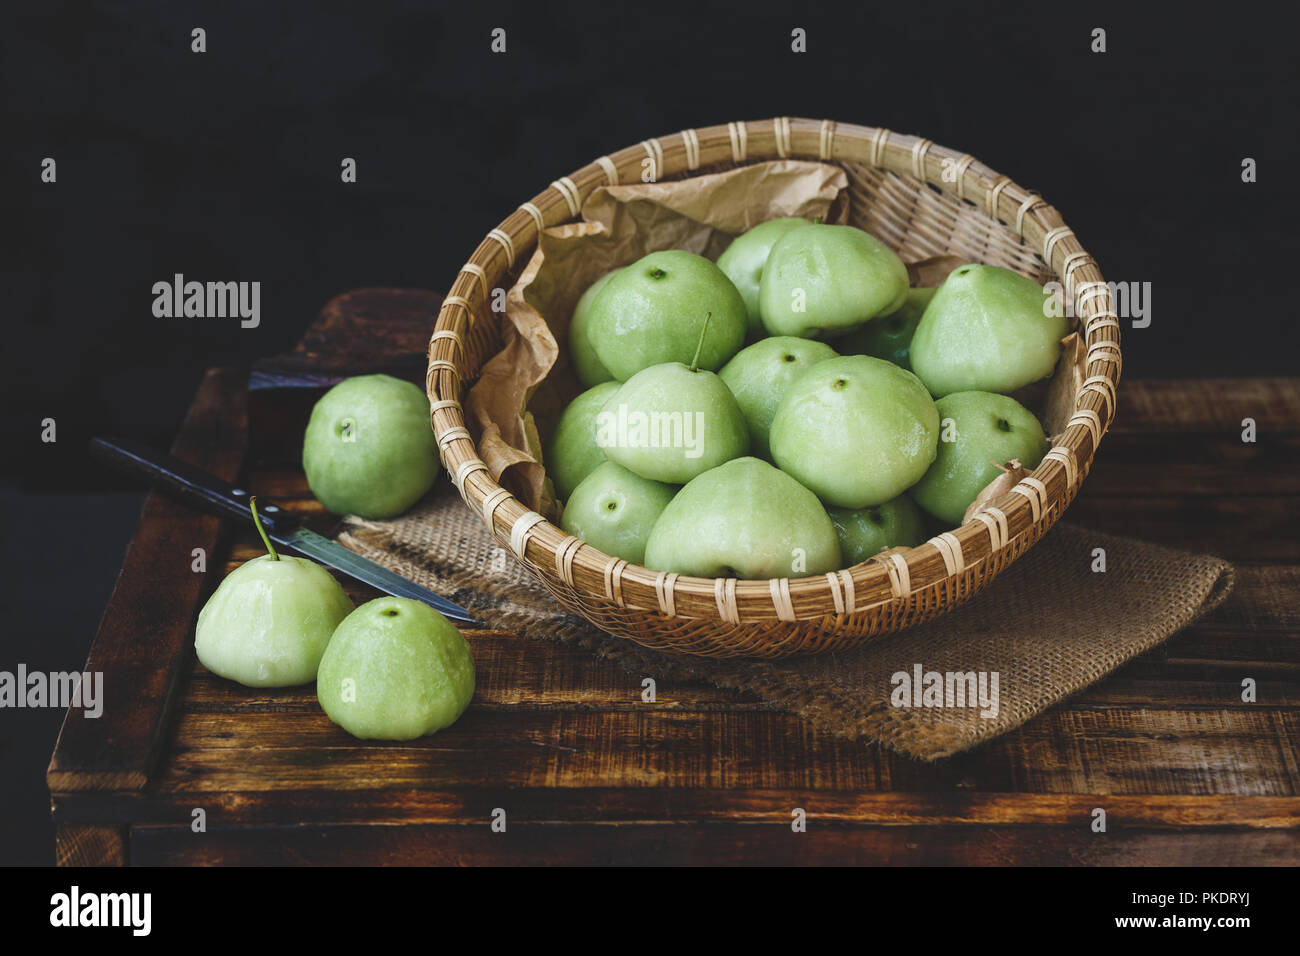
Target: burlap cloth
[(1048, 626)]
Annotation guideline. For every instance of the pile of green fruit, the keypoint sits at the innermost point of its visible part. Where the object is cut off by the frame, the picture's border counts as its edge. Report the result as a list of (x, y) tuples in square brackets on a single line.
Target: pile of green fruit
[(795, 407), (391, 669)]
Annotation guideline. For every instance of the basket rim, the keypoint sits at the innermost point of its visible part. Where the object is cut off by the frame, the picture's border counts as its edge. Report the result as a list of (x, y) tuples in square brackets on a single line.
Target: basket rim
[(893, 575)]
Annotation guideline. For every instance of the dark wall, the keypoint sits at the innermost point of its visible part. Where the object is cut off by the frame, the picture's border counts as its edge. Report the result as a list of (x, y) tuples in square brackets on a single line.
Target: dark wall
[(225, 165)]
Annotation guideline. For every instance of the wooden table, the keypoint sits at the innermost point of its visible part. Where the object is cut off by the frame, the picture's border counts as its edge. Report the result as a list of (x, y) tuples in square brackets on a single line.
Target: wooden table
[(585, 772)]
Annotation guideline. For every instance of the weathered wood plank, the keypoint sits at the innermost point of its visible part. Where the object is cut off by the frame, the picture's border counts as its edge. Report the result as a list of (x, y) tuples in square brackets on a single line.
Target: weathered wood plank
[(146, 631), (81, 845), (709, 845), (521, 673), (1158, 692), (1110, 750), (469, 806), (1207, 405), (1262, 529), (1195, 463), (1264, 598), (364, 330)]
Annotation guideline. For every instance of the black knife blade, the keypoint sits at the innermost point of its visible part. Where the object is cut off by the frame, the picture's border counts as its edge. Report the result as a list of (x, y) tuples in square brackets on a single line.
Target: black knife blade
[(217, 497)]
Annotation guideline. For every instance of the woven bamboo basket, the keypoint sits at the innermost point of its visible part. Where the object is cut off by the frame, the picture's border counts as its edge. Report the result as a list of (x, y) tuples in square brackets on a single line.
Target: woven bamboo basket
[(920, 198)]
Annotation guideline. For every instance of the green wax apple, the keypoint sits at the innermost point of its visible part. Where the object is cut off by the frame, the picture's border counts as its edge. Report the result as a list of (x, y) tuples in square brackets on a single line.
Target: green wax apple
[(395, 669), (821, 281), (987, 329), (672, 422), (572, 453), (614, 509), (889, 337), (267, 624), (744, 259), (652, 311), (744, 519), (865, 532), (760, 374), (985, 428), (586, 363), (369, 448), (857, 430)]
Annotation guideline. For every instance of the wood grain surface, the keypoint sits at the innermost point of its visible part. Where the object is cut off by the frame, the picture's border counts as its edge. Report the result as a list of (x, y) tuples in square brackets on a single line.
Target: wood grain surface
[(146, 634), (585, 772)]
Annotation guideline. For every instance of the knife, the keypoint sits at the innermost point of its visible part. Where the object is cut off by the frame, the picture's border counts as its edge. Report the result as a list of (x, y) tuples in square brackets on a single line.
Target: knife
[(213, 495)]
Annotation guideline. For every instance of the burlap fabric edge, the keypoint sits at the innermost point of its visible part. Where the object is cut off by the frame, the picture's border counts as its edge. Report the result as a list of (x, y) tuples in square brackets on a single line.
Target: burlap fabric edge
[(1149, 593)]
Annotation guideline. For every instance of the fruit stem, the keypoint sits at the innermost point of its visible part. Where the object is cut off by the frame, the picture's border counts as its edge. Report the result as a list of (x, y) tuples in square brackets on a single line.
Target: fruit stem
[(700, 344), (252, 506)]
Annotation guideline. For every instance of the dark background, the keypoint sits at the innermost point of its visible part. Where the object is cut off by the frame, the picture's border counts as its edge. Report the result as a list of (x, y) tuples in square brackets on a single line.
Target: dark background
[(225, 166)]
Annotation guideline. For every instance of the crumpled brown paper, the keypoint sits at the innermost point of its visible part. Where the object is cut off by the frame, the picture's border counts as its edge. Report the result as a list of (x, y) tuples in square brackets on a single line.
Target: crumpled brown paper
[(1071, 368), (522, 390), (930, 273), (1009, 475), (508, 441)]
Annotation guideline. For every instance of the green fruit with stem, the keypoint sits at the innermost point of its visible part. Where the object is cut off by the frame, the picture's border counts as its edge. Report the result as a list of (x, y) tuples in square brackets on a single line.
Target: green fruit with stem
[(865, 532), (760, 374), (890, 336), (267, 624), (743, 262), (744, 519), (987, 329), (614, 509), (369, 448), (395, 669), (671, 422), (652, 312), (856, 430), (572, 453), (821, 281), (586, 363), (980, 431)]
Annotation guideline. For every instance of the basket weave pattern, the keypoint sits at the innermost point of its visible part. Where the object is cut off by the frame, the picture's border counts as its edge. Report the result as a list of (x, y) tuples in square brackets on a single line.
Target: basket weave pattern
[(920, 199)]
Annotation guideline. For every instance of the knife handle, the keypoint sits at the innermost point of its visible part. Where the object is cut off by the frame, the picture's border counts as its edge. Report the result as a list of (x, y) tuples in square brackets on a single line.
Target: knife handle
[(190, 483)]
